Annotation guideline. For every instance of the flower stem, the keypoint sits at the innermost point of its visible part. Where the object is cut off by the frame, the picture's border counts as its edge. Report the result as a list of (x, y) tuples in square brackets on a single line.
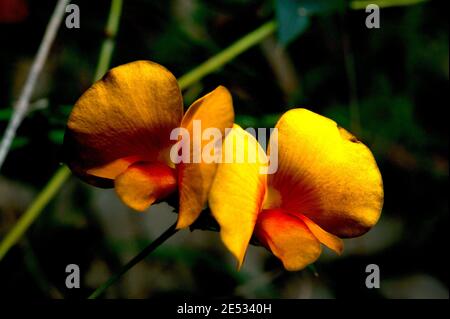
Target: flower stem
[(172, 230), (63, 173)]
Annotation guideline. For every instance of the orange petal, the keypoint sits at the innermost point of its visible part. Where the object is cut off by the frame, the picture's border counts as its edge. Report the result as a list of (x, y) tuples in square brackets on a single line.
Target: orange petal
[(288, 238), (144, 183), (213, 111), (114, 168), (326, 174), (329, 240), (130, 112), (237, 193)]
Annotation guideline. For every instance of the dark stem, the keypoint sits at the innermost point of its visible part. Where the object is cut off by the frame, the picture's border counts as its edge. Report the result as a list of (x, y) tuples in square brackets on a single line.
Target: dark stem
[(144, 253)]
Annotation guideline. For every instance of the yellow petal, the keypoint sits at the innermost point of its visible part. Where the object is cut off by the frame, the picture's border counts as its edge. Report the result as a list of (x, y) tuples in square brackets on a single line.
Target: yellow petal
[(238, 191), (130, 112), (144, 183), (288, 238), (212, 111), (326, 174), (329, 240)]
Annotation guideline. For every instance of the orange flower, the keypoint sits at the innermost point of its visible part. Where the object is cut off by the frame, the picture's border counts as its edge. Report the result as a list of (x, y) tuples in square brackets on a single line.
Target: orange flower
[(118, 135), (327, 186)]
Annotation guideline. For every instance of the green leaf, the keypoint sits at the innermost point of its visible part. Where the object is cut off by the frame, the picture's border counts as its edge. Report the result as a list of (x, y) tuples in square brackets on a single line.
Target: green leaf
[(5, 114), (293, 16), (19, 142), (65, 109), (56, 136)]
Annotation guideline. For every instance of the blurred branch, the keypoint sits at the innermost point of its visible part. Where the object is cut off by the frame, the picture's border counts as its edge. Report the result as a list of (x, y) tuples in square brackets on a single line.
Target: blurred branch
[(108, 44), (357, 5), (227, 55), (22, 105), (63, 173), (172, 230), (282, 66), (355, 119), (33, 211), (37, 273)]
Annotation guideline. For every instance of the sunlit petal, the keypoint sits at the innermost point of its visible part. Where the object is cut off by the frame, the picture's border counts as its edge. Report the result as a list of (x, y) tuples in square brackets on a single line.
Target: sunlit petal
[(326, 174), (214, 111), (128, 113), (237, 193)]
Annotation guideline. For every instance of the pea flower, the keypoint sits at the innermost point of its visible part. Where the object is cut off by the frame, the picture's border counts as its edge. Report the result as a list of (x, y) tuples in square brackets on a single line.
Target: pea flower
[(327, 187), (118, 135)]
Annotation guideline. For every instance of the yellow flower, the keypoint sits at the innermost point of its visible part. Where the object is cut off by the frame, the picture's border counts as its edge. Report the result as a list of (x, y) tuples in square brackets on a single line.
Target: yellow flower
[(118, 135), (327, 186)]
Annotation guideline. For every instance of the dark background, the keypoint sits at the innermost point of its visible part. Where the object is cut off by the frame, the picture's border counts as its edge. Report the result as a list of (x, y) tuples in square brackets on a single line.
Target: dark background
[(395, 77)]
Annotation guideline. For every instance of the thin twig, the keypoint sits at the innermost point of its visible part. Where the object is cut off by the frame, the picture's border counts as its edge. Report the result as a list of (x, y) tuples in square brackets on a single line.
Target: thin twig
[(63, 173), (144, 253), (22, 105), (350, 69)]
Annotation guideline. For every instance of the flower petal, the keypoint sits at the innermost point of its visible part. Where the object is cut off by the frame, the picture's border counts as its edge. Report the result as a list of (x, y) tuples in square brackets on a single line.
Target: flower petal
[(237, 193), (144, 183), (329, 240), (326, 174), (128, 113), (288, 238), (212, 111)]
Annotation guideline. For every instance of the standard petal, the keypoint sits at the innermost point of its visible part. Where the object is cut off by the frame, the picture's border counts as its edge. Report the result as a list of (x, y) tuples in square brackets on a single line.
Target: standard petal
[(144, 183), (237, 192), (130, 112), (288, 238), (326, 174), (213, 112)]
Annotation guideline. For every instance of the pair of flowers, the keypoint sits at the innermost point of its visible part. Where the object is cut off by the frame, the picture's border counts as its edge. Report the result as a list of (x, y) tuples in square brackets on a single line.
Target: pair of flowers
[(327, 185)]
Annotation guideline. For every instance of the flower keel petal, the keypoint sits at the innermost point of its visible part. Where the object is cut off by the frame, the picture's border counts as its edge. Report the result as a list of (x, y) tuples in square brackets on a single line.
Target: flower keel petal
[(144, 183), (288, 238), (329, 240)]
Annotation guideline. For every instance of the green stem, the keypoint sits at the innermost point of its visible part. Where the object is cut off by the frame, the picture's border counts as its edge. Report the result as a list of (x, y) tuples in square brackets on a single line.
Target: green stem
[(227, 55), (144, 253), (355, 119), (185, 81), (358, 5), (106, 51), (63, 173), (33, 210)]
